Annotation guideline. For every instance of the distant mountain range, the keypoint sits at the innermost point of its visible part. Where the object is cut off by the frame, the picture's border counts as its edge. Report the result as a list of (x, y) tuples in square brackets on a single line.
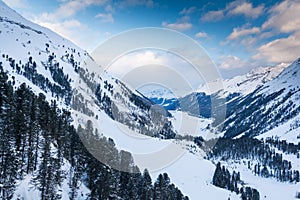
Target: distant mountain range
[(264, 99)]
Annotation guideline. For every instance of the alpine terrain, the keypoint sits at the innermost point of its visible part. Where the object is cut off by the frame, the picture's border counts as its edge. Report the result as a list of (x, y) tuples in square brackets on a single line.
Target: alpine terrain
[(71, 130)]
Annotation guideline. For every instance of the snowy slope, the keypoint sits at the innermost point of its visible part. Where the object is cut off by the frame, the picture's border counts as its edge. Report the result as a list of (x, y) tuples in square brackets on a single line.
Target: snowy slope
[(242, 84), (155, 91), (247, 83), (28, 52), (54, 66), (269, 188), (22, 39), (25, 190), (190, 172), (289, 131), (236, 87), (116, 111), (272, 110), (160, 95)]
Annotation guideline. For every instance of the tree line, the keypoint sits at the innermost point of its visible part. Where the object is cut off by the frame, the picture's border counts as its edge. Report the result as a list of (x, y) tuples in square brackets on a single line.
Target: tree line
[(224, 179), (269, 163), (37, 139)]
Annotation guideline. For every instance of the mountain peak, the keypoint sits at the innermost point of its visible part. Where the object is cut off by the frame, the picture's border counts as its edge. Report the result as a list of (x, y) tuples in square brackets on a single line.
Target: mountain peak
[(247, 83)]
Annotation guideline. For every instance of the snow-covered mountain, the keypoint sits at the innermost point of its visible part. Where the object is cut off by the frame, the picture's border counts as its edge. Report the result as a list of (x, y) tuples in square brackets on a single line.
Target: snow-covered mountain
[(156, 91), (55, 67), (232, 88), (247, 83), (241, 84), (160, 96), (273, 109), (263, 101), (63, 72)]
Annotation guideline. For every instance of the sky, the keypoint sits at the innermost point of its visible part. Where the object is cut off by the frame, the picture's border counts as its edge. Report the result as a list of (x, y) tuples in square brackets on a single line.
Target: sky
[(237, 35)]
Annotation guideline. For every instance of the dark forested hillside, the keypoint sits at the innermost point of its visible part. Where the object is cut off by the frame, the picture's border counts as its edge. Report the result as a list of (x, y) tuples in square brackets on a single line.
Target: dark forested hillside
[(261, 156), (37, 139)]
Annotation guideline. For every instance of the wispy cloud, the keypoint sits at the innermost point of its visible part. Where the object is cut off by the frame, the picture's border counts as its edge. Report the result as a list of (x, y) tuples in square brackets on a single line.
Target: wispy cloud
[(231, 62), (63, 21), (213, 16), (284, 18), (234, 8), (188, 11), (65, 28), (240, 32), (280, 50), (182, 24), (70, 29), (105, 17), (133, 3), (178, 26), (16, 3), (71, 7), (201, 35), (244, 8)]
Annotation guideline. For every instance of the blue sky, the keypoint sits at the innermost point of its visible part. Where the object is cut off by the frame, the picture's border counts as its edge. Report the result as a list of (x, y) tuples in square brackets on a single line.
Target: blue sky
[(237, 35)]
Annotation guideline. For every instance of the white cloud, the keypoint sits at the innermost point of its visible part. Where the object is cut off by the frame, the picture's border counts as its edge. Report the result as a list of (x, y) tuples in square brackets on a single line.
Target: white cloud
[(155, 65), (65, 28), (105, 17), (61, 27), (240, 32), (182, 24), (16, 3), (285, 17), (74, 31), (71, 7), (213, 16), (178, 26), (201, 35), (109, 9), (188, 11), (280, 50), (63, 21), (133, 3), (249, 42), (244, 8), (231, 62), (238, 7)]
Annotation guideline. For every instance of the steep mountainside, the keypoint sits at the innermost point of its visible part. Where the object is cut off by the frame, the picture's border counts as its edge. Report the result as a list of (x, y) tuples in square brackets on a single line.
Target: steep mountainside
[(263, 101), (65, 76), (60, 74), (247, 83), (59, 69), (271, 105), (235, 87), (43, 156)]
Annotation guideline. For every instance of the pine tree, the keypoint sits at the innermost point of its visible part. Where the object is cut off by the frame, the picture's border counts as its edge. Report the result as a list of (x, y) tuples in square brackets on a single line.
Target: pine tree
[(146, 189), (217, 178), (8, 168)]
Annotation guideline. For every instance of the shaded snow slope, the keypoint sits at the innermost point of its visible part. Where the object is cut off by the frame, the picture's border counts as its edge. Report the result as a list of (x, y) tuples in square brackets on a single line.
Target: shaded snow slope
[(52, 65), (272, 109), (247, 83)]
